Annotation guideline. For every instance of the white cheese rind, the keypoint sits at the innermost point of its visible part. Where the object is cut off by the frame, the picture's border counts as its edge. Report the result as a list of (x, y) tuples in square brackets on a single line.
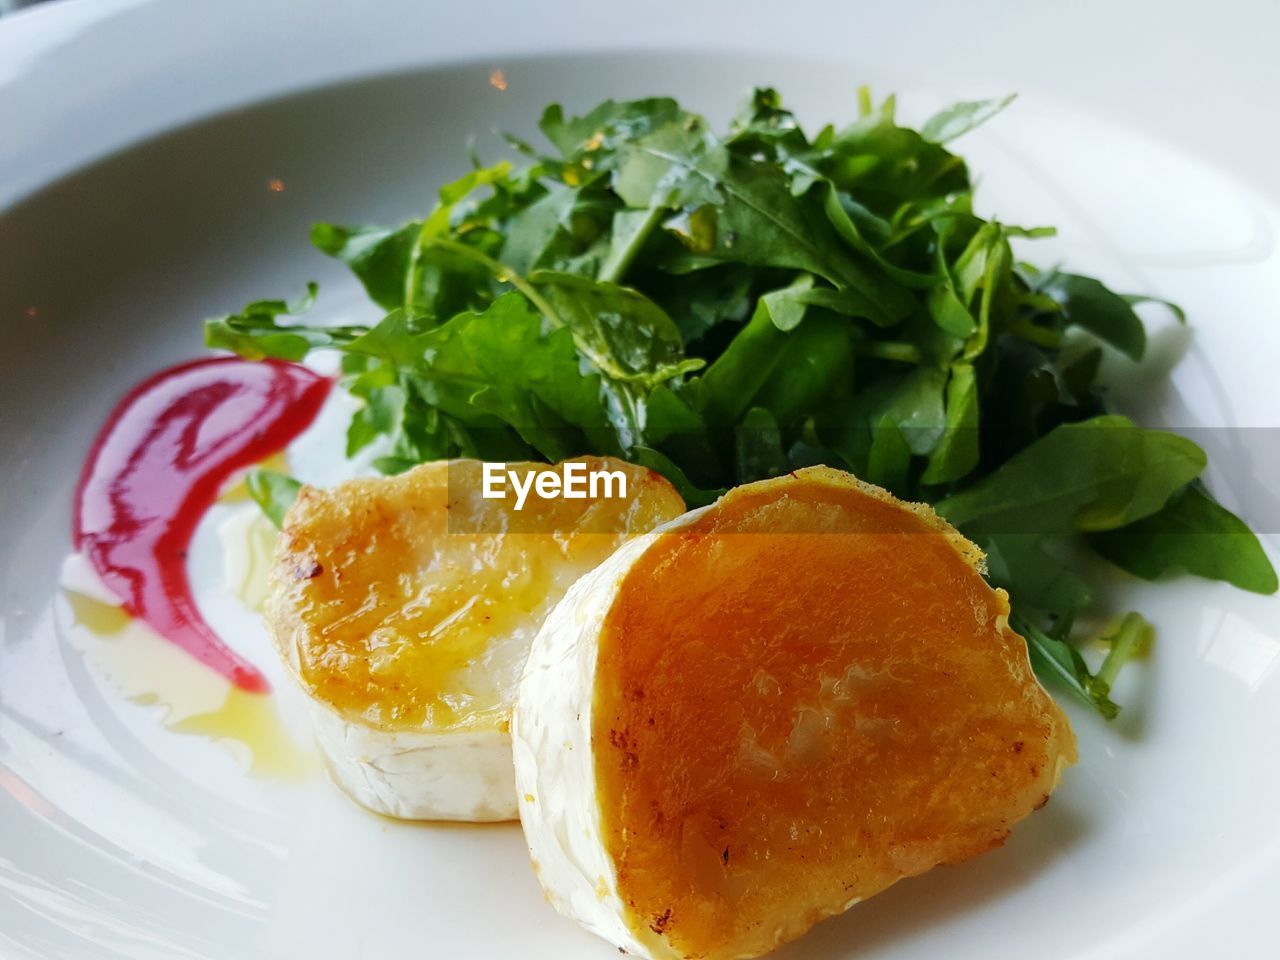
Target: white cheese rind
[(419, 775), (554, 768)]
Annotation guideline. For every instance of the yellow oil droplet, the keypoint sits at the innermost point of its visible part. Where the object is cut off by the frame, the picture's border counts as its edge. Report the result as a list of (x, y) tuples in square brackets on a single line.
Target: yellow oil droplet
[(194, 700), (571, 176), (104, 619), (248, 546), (498, 80), (251, 720), (238, 491)]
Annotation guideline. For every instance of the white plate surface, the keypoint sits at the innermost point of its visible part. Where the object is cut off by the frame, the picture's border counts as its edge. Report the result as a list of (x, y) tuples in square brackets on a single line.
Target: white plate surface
[(1137, 134)]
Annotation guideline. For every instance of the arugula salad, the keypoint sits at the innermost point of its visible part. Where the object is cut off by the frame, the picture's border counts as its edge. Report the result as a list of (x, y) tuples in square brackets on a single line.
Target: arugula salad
[(727, 307)]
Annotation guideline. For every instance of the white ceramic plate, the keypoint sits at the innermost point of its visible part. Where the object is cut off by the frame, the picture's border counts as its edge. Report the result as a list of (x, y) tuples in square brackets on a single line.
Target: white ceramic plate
[(1140, 133)]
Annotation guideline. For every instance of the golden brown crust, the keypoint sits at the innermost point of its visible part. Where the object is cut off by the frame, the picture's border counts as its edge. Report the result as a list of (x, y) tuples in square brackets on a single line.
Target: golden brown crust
[(804, 695)]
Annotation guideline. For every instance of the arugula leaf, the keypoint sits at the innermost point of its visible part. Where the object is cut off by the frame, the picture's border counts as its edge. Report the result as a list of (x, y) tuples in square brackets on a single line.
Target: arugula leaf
[(542, 231), (611, 124), (915, 402), (787, 306), (957, 450), (889, 457), (528, 380), (272, 491), (624, 335), (1095, 475), (759, 447), (1193, 532), (379, 258), (1109, 316), (631, 231), (692, 495), (622, 332), (1056, 659), (729, 384), (699, 302), (949, 311), (884, 165), (749, 215), (1035, 577), (418, 272), (813, 368), (960, 118), (255, 333)]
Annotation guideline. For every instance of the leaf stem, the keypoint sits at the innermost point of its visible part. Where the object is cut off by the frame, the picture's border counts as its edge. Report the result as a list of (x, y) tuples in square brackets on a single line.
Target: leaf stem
[(1125, 645), (614, 272), (1060, 659), (503, 274)]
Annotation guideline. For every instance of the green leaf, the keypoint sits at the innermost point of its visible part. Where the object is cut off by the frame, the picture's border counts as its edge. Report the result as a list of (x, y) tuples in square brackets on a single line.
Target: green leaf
[(1058, 662), (845, 215), (790, 373), (889, 460), (256, 333), (957, 451), (601, 130), (631, 230), (728, 385), (438, 223), (1096, 475), (758, 447), (962, 117), (273, 492), (382, 415), (885, 165), (625, 336), (754, 218), (1193, 532), (701, 301), (692, 495), (949, 312), (1109, 316), (379, 258), (915, 402), (983, 274), (787, 306), (529, 380), (815, 364), (624, 333), (1036, 579), (534, 234)]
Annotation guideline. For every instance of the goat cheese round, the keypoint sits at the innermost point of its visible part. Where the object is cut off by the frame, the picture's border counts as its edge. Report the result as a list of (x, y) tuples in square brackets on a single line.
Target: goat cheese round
[(768, 710), (405, 607)]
